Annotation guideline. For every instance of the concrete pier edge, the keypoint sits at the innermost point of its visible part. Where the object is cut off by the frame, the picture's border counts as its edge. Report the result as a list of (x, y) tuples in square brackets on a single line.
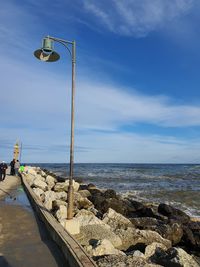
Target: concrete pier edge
[(74, 253)]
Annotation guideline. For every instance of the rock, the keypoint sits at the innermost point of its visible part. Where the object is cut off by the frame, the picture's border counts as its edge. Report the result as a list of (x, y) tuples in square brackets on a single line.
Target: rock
[(91, 186), (61, 196), (84, 193), (173, 213), (99, 232), (136, 206), (138, 253), (103, 247), (30, 170), (61, 213), (61, 187), (86, 217), (50, 196), (110, 193), (175, 257), (40, 171), (41, 178), (150, 249), (191, 235), (116, 220), (30, 178), (173, 231), (103, 204), (124, 261), (132, 237), (84, 203), (40, 193), (57, 203), (40, 184), (50, 180), (75, 185)]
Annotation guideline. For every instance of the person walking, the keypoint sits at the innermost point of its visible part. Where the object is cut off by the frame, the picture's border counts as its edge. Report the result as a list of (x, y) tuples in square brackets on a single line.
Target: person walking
[(3, 168), (17, 166), (12, 167)]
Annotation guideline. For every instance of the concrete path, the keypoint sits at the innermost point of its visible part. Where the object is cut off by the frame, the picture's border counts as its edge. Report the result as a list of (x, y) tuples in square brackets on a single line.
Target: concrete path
[(8, 184), (24, 240)]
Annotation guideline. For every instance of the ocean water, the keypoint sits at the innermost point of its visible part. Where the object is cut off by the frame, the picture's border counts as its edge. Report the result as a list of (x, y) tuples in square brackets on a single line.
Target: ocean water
[(176, 184)]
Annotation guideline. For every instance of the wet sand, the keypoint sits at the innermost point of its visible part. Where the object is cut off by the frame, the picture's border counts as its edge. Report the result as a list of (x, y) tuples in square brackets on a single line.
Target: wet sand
[(24, 240)]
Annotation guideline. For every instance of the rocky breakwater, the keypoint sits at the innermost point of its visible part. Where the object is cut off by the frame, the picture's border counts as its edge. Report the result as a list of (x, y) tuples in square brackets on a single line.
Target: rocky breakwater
[(117, 231)]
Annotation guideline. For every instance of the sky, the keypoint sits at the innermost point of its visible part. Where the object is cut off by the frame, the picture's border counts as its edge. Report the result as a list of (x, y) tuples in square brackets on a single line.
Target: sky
[(137, 81)]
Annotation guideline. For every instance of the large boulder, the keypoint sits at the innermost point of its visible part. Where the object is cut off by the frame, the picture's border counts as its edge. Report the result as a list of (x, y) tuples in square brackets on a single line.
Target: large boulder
[(191, 235), (61, 196), (150, 249), (57, 203), (61, 213), (50, 196), (124, 261), (103, 247), (103, 204), (110, 193), (30, 170), (86, 217), (30, 178), (84, 203), (98, 232), (173, 213), (40, 193), (175, 257), (75, 185), (61, 187), (116, 220), (171, 231), (50, 180), (40, 184), (84, 193), (132, 237)]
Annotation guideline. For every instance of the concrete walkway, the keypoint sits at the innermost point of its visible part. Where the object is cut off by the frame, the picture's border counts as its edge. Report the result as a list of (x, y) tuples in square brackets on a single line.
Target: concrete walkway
[(24, 240), (8, 184)]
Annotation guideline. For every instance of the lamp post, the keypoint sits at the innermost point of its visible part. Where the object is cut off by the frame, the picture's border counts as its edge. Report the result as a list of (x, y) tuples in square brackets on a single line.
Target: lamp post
[(47, 54)]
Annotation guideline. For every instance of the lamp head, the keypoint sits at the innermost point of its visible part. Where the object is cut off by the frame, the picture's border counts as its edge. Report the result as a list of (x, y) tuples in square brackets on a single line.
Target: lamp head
[(46, 53)]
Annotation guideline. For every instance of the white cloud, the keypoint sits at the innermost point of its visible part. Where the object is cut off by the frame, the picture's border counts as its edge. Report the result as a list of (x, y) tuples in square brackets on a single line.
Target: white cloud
[(108, 107), (137, 17), (36, 109)]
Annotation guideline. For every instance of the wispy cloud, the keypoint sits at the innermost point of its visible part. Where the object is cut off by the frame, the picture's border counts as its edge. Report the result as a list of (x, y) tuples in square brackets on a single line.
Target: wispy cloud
[(137, 18), (111, 107)]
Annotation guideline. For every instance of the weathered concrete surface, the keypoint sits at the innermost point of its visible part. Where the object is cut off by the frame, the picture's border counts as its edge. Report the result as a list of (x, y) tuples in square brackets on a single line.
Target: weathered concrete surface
[(23, 240), (9, 183), (72, 250)]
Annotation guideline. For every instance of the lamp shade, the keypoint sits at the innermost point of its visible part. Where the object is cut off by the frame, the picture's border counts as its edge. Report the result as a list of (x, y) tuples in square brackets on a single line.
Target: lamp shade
[(46, 53), (46, 56)]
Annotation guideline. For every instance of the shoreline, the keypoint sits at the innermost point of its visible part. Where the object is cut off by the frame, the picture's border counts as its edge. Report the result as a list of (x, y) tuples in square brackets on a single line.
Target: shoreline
[(104, 213)]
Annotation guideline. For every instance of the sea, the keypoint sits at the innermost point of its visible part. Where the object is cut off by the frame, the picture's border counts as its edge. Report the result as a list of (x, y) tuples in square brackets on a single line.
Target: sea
[(174, 184)]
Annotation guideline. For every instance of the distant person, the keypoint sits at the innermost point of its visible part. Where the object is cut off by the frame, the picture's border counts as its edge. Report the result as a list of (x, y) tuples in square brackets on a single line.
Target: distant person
[(17, 166), (12, 167), (3, 167)]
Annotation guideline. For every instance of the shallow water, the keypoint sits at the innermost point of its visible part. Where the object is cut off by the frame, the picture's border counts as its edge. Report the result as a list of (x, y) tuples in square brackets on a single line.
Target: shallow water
[(177, 184)]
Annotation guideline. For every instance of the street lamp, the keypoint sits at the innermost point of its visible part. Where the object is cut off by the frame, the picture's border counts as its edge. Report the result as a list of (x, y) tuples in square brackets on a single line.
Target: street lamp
[(47, 54)]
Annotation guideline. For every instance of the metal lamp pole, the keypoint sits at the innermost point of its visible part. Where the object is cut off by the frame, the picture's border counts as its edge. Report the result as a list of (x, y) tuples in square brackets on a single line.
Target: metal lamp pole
[(46, 53)]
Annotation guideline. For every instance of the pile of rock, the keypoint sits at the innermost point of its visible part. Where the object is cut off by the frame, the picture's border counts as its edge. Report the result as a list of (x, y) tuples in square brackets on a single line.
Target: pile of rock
[(117, 231)]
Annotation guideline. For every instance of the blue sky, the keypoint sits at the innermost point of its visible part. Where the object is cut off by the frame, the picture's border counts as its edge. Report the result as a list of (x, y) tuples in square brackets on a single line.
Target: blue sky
[(137, 84)]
